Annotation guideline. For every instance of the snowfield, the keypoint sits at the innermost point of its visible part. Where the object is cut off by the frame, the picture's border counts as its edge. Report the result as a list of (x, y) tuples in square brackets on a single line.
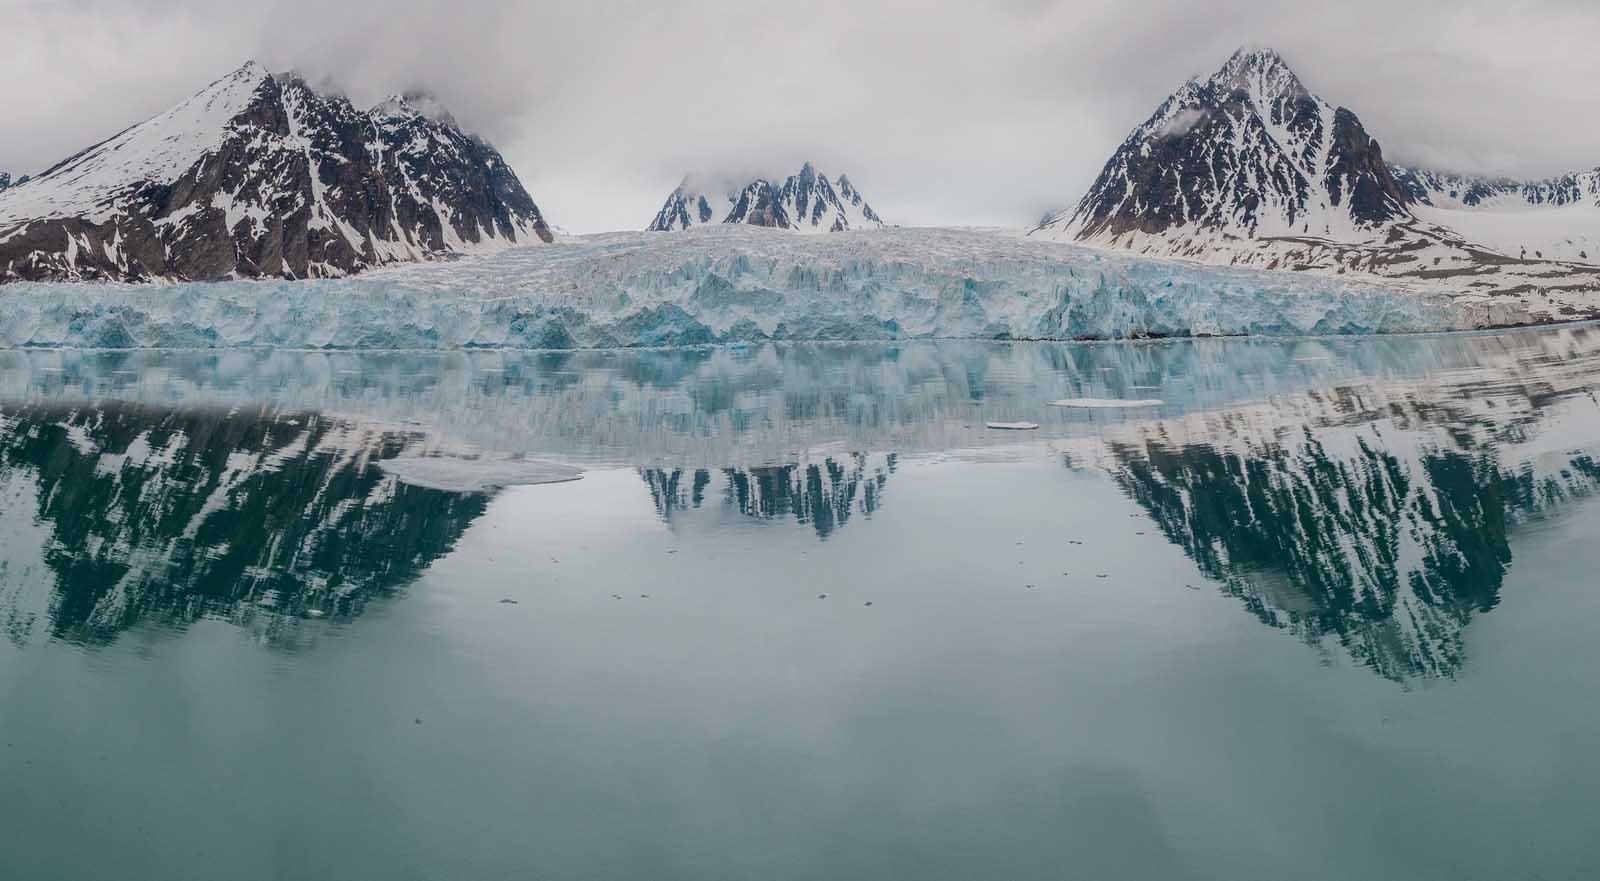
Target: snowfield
[(728, 283)]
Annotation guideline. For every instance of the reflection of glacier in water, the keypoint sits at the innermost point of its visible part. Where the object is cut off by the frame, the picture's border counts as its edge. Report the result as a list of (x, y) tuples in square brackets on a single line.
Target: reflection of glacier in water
[(259, 517), (716, 407), (1363, 494)]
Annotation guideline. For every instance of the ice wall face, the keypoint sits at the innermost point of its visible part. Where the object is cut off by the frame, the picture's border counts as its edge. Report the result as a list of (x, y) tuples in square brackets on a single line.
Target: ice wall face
[(727, 283)]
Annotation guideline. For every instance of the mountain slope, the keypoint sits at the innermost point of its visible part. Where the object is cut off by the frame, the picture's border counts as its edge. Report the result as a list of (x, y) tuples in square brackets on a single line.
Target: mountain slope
[(803, 202), (257, 175), (1249, 167)]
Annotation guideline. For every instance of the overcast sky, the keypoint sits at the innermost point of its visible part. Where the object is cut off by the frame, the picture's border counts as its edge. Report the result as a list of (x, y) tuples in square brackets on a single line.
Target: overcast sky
[(941, 111)]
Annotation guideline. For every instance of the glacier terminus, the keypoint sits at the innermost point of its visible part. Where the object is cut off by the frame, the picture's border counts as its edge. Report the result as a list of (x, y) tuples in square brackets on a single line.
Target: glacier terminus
[(732, 283)]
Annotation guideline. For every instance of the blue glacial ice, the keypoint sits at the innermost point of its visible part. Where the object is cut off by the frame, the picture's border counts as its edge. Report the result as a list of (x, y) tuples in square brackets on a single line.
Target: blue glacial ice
[(732, 284)]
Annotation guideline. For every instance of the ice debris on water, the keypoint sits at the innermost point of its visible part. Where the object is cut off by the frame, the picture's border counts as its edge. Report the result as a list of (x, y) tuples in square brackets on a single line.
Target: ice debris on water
[(465, 475), (1012, 426), (731, 284), (1107, 403)]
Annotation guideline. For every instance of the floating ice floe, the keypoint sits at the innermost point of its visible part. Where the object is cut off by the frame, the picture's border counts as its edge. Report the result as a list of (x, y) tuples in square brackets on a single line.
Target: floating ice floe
[(1107, 403), (457, 474), (1012, 426)]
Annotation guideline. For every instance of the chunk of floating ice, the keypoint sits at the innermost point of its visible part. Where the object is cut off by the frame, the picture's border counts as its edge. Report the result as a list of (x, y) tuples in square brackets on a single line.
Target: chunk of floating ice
[(456, 474), (1012, 426), (1106, 403)]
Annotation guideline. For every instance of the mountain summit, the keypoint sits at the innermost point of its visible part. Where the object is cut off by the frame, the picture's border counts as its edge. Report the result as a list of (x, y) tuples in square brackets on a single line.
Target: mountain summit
[(1246, 153), (804, 202), (257, 175)]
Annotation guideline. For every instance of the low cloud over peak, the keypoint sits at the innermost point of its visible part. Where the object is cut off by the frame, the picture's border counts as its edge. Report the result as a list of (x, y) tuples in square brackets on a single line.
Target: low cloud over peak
[(954, 112)]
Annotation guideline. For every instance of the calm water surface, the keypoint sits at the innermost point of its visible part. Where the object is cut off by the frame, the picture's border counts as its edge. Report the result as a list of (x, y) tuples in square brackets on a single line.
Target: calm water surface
[(1330, 611)]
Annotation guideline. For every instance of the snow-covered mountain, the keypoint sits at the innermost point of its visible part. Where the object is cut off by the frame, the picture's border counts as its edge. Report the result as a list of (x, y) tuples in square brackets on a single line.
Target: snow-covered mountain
[(259, 175), (1249, 167), (1247, 153), (804, 202)]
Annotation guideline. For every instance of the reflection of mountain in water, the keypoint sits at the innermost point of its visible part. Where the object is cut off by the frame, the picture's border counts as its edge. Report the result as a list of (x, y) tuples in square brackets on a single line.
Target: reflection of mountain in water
[(1384, 529), (256, 517), (823, 495)]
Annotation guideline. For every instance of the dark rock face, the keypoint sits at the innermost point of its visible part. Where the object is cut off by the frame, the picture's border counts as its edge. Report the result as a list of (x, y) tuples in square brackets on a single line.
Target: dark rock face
[(289, 184), (1373, 195), (1249, 151), (5, 180), (759, 204), (806, 202)]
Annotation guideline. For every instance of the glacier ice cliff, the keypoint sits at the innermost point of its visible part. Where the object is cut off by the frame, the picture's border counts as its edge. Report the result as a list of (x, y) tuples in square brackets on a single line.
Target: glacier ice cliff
[(730, 284)]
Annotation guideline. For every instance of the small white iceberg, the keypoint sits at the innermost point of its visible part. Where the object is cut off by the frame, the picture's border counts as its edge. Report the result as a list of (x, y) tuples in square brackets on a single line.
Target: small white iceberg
[(462, 475), (1012, 426), (1107, 403)]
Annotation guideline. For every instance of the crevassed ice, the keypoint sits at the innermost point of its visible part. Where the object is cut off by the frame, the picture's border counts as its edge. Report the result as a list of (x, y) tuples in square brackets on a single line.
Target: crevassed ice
[(727, 284)]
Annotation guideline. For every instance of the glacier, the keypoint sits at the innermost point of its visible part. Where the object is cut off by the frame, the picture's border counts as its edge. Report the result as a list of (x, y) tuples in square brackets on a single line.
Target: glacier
[(731, 284)]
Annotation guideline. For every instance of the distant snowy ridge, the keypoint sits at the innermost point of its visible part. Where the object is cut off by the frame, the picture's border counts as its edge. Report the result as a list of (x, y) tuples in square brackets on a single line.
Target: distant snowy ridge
[(730, 283), (804, 202), (1248, 167), (259, 176), (1556, 218), (1447, 190)]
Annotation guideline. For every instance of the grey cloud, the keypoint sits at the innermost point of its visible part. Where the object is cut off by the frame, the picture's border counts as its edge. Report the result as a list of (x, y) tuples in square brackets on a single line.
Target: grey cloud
[(943, 112)]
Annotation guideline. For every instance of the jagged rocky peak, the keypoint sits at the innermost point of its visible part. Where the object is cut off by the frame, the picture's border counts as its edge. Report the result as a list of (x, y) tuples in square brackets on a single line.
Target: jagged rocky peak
[(260, 175), (803, 202), (1261, 73), (1247, 152)]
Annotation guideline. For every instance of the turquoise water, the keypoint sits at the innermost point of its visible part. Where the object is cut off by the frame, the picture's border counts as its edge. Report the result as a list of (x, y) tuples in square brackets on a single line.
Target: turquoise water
[(1327, 611)]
